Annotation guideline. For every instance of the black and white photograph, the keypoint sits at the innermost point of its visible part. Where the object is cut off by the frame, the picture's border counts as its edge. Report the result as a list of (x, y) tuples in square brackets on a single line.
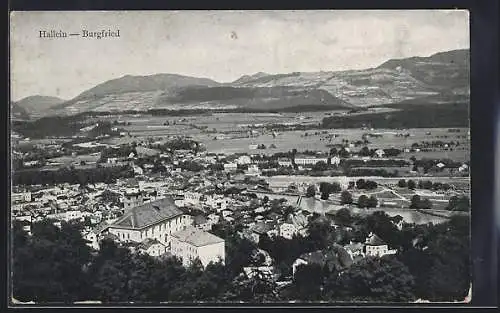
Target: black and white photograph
[(239, 157)]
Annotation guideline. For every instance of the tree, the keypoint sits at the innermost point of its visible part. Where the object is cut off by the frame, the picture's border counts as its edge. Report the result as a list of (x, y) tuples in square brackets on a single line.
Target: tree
[(343, 217), (311, 191), (320, 166), (351, 185), (346, 197), (402, 183), (343, 153), (365, 152), (374, 279), (362, 201), (54, 278), (425, 204), (307, 282), (321, 233), (411, 184), (415, 202), (360, 184), (372, 202), (459, 204)]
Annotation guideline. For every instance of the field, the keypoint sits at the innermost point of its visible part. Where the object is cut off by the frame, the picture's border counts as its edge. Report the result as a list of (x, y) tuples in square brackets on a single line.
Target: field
[(228, 133)]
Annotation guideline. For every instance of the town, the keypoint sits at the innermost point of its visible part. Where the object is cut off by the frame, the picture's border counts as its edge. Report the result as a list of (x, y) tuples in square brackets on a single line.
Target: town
[(240, 157), (174, 199)]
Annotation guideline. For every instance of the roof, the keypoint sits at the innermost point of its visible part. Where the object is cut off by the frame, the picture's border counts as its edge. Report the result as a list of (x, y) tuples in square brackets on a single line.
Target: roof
[(197, 237), (355, 246), (334, 256), (199, 219), (147, 243), (261, 228), (146, 151), (374, 240), (148, 214)]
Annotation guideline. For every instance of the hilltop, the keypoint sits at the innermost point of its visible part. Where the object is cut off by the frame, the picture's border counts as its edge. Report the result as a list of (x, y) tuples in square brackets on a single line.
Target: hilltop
[(441, 77)]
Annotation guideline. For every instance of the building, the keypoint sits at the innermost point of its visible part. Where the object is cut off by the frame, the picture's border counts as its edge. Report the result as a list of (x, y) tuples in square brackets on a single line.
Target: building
[(374, 246), (192, 243), (253, 170), (380, 153), (155, 220), (132, 198), (309, 160), (335, 258), (228, 167), (244, 159), (21, 197), (287, 230), (152, 247), (335, 160), (284, 162), (146, 152), (355, 249)]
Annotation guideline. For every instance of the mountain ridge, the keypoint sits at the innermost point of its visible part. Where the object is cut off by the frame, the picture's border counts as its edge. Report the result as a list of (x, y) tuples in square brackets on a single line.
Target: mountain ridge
[(395, 80)]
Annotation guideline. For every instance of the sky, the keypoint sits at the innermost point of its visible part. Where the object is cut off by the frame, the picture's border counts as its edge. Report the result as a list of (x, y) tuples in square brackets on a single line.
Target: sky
[(221, 45)]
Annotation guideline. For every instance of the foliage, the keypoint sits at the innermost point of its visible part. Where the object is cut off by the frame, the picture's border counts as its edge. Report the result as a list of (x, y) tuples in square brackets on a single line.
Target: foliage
[(418, 203), (346, 197), (71, 175), (459, 204), (311, 191), (366, 184), (374, 279), (417, 116), (327, 188)]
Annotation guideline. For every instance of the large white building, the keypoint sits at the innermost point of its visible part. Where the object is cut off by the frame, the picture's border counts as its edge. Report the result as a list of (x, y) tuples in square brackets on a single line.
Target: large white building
[(309, 160), (154, 220), (21, 197), (193, 243)]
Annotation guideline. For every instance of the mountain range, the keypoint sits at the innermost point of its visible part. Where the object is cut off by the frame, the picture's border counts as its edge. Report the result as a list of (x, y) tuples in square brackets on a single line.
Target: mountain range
[(441, 77)]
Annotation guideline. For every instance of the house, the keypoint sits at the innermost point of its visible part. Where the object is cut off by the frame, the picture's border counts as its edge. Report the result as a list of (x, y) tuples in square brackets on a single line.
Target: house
[(463, 168), (309, 160), (31, 163), (244, 159), (335, 160), (253, 170), (266, 272), (228, 167), (132, 198), (152, 247), (156, 220), (260, 228), (380, 153), (335, 257), (374, 246), (138, 170), (287, 230), (92, 238), (192, 243), (21, 197), (284, 162), (146, 152), (355, 250)]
